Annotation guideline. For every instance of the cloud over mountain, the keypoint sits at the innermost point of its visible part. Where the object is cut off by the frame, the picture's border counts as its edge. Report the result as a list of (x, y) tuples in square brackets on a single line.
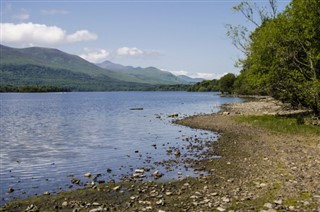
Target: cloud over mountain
[(135, 52), (95, 56), (203, 75), (41, 34)]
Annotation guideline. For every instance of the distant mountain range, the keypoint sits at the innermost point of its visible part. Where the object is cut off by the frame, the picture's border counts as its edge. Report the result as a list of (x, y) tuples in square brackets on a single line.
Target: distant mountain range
[(150, 74), (46, 66)]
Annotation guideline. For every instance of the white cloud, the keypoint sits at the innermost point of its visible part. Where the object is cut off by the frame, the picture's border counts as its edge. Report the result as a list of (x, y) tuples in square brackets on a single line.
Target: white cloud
[(203, 75), (40, 34), (95, 56), (126, 51), (54, 12), (135, 52), (177, 73), (22, 15), (81, 35)]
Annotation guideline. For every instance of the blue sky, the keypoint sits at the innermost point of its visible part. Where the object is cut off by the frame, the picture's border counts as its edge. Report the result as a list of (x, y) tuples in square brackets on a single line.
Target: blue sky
[(183, 37)]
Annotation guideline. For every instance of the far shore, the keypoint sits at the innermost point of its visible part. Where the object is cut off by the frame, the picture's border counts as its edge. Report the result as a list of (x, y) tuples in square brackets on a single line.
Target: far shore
[(267, 163)]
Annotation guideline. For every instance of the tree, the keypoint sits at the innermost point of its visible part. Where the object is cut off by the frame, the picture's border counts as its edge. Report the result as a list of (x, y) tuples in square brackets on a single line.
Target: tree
[(226, 83), (283, 56), (240, 35)]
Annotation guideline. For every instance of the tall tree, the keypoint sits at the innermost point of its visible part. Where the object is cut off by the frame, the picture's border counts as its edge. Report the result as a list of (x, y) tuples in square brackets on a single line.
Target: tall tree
[(226, 83)]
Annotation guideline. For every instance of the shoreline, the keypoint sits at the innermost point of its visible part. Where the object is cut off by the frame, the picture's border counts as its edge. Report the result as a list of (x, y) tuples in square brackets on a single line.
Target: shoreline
[(259, 170)]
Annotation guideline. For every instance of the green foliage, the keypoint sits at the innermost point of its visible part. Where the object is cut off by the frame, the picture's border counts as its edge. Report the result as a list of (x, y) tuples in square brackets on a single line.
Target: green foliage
[(33, 89), (226, 83), (180, 87), (283, 57), (205, 86), (32, 76)]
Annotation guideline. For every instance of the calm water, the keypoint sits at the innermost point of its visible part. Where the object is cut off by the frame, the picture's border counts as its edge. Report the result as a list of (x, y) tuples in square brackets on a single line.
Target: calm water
[(48, 138)]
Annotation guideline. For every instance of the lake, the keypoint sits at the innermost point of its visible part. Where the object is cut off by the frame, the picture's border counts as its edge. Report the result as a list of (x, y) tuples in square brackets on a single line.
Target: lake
[(49, 138)]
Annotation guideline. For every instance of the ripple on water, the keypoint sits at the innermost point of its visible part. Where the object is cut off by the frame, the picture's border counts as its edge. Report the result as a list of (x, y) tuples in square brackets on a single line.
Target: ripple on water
[(48, 137)]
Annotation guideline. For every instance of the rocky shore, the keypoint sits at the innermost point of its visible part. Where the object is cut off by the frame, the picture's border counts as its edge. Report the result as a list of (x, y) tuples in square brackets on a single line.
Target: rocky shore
[(258, 170)]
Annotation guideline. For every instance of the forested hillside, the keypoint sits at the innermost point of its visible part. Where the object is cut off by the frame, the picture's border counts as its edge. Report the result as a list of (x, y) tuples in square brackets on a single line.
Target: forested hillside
[(45, 69), (224, 84), (282, 54)]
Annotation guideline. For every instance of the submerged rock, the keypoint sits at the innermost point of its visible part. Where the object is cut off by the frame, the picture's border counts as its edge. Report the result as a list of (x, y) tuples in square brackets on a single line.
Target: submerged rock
[(10, 190), (140, 171), (75, 181), (87, 175), (156, 174), (136, 108), (177, 152), (138, 175), (173, 115)]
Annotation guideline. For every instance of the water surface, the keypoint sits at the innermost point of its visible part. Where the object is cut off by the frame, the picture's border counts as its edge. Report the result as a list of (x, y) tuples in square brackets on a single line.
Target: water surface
[(48, 137)]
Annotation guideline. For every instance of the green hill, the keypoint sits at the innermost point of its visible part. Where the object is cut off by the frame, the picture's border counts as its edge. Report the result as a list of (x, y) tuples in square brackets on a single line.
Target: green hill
[(150, 74), (37, 66)]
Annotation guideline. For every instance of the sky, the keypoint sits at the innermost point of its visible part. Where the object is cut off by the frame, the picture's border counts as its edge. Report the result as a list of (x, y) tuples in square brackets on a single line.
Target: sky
[(185, 37)]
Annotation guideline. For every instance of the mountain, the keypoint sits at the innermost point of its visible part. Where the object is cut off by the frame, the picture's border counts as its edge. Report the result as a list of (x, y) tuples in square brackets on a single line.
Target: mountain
[(190, 79), (47, 57), (47, 66), (150, 74)]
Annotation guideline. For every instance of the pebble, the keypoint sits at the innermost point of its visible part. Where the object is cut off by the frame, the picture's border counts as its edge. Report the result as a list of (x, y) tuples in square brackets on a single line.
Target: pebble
[(220, 209), (225, 199), (156, 174), (154, 193), (138, 175), (32, 208), (117, 188), (64, 204), (168, 193), (132, 197), (262, 185), (75, 181), (144, 202), (278, 202), (87, 175), (96, 209), (291, 208), (177, 153), (160, 202), (10, 190), (267, 205), (141, 171)]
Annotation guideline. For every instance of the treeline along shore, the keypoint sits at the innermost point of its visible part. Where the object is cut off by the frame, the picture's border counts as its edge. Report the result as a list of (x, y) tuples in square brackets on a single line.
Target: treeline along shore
[(269, 161)]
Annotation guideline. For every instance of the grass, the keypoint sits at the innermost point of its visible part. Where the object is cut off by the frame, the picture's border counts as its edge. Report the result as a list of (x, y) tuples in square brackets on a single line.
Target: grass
[(280, 124)]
